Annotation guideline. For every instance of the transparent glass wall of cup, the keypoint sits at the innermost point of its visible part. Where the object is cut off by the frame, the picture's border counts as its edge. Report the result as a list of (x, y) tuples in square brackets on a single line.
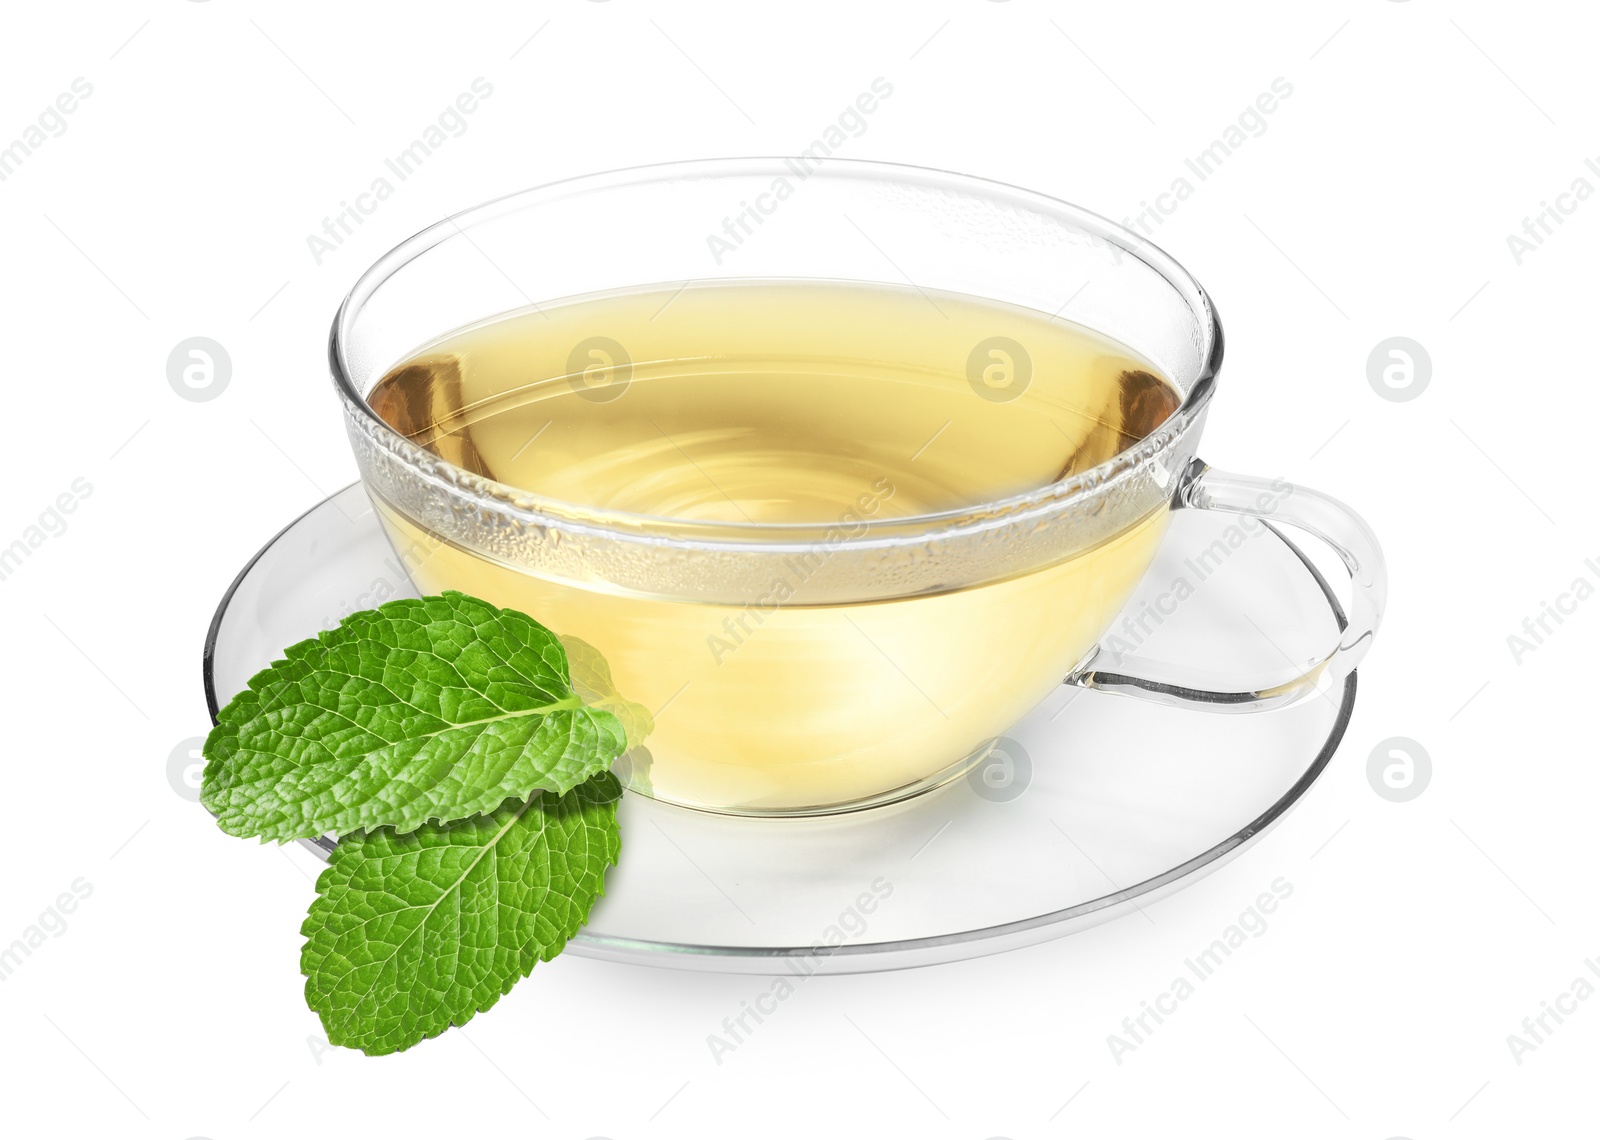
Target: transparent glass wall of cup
[(737, 733)]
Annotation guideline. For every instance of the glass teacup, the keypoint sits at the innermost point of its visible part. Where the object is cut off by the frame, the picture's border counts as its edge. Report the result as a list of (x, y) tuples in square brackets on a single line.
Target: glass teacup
[(797, 668)]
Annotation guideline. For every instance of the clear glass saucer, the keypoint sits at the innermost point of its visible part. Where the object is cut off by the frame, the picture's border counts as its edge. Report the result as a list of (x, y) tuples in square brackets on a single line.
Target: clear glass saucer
[(1094, 805)]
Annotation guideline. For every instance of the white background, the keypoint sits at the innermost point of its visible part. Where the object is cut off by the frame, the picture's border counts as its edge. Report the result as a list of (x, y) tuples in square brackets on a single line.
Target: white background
[(220, 134)]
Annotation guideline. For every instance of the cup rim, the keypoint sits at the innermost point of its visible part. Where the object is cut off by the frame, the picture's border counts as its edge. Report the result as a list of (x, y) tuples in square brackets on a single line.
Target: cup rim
[(538, 510)]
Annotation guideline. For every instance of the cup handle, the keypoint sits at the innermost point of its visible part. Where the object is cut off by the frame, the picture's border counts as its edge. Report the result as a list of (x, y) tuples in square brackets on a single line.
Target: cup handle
[(1207, 489)]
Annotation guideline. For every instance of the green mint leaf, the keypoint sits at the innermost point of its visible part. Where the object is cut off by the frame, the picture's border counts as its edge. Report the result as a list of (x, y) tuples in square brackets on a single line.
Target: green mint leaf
[(411, 934), (422, 710), (591, 679), (633, 769)]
